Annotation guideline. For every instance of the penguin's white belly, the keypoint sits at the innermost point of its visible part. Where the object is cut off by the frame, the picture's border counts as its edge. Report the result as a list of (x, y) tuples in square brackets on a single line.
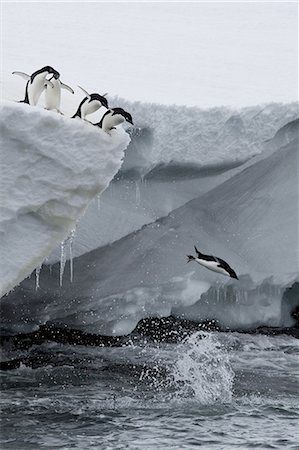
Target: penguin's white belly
[(111, 121), (91, 107), (212, 265), (53, 95), (36, 88)]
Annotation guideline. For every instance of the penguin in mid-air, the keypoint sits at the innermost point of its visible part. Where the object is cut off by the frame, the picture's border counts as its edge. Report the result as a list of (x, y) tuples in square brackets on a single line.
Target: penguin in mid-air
[(53, 93), (36, 83), (114, 117), (213, 263), (90, 104)]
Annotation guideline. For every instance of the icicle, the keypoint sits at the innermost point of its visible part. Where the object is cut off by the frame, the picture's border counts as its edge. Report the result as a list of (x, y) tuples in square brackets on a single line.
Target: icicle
[(99, 201), (137, 192), (37, 272), (62, 261), (71, 240)]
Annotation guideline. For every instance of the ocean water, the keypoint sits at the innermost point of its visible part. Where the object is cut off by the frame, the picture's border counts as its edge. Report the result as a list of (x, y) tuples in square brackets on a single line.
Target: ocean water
[(213, 390)]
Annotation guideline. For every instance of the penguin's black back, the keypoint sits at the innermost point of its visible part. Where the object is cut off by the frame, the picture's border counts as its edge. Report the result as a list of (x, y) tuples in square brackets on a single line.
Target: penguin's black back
[(227, 267), (205, 257), (100, 123), (26, 99), (78, 112)]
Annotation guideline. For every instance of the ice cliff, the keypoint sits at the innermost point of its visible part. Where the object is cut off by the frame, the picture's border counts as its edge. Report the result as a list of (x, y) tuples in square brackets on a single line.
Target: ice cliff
[(234, 195), (51, 168)]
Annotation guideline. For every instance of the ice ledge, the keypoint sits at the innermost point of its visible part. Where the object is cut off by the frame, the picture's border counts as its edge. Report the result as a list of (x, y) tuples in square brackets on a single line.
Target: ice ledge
[(51, 168)]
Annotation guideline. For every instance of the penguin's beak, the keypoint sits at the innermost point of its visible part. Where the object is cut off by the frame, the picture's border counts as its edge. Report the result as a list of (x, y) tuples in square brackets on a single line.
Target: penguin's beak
[(130, 121)]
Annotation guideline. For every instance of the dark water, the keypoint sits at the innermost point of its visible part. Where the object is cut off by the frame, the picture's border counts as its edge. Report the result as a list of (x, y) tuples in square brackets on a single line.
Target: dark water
[(214, 391)]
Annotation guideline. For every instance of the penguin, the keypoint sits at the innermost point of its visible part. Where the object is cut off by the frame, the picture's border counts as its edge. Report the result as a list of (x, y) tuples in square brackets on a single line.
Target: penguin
[(114, 117), (213, 263), (53, 94), (90, 104), (36, 83)]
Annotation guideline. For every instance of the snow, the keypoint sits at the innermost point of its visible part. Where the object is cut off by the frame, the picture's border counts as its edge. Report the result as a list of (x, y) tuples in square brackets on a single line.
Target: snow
[(51, 168)]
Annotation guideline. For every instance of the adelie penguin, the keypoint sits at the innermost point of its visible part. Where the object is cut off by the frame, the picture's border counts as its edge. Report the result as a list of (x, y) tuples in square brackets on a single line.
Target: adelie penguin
[(53, 93), (36, 83), (90, 104), (114, 117), (213, 263)]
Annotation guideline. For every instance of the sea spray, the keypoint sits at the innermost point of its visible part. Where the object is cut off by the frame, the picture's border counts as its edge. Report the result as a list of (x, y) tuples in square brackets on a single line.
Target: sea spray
[(202, 370)]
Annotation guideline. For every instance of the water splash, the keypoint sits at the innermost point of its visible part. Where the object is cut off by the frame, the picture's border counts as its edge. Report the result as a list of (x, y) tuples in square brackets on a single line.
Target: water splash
[(202, 370)]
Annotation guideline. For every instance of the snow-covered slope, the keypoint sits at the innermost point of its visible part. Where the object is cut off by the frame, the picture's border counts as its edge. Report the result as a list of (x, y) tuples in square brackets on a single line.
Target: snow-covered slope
[(51, 168), (248, 221)]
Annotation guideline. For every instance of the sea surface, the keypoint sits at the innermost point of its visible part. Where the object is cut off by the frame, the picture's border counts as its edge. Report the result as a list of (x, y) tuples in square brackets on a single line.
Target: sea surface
[(213, 390)]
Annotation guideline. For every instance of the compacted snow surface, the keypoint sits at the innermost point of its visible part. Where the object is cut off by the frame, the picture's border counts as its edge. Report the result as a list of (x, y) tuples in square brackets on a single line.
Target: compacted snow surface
[(51, 168)]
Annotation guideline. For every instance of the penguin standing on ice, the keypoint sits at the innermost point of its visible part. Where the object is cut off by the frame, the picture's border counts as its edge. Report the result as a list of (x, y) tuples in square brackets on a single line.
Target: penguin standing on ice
[(114, 117), (213, 263), (53, 93), (36, 83), (90, 104)]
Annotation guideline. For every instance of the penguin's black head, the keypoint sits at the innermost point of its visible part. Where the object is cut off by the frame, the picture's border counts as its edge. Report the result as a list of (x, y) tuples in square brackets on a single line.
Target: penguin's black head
[(129, 118), (233, 274), (123, 113), (99, 98), (51, 70), (190, 258)]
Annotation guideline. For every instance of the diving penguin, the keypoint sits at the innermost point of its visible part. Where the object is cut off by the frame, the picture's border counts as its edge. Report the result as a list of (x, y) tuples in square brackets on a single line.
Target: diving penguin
[(114, 117), (36, 83), (213, 263), (90, 104), (53, 93)]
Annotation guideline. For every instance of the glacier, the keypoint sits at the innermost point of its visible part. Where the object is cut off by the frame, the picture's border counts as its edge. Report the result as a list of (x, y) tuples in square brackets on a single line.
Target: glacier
[(222, 179), (51, 169)]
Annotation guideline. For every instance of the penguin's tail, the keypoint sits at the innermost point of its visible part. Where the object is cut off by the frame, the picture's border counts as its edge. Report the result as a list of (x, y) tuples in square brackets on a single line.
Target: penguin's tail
[(190, 258), (77, 114)]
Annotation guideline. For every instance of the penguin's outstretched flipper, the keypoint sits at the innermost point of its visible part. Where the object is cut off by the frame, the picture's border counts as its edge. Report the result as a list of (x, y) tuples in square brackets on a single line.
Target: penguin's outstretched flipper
[(85, 92), (22, 74), (68, 88), (197, 252)]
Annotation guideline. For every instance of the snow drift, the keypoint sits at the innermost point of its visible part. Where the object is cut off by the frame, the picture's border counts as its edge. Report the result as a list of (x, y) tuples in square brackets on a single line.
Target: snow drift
[(51, 168)]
